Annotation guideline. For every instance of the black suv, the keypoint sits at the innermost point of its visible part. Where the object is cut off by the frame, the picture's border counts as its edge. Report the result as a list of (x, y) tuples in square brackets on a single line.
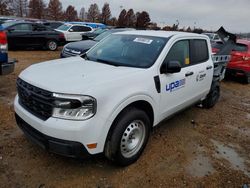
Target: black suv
[(32, 35)]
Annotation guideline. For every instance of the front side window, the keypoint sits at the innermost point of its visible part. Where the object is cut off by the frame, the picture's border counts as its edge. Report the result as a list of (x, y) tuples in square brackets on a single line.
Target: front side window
[(179, 52), (75, 29), (84, 28), (128, 50)]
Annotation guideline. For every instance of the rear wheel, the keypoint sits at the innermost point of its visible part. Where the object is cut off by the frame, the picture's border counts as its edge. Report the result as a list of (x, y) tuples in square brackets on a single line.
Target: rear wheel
[(51, 45), (248, 79), (213, 96), (129, 137)]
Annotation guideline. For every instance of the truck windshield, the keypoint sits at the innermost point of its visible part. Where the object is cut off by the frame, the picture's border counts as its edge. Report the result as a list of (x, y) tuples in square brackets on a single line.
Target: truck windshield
[(127, 50)]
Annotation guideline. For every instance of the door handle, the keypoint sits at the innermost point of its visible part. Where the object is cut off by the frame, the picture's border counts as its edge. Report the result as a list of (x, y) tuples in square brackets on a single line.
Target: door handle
[(209, 67), (189, 74)]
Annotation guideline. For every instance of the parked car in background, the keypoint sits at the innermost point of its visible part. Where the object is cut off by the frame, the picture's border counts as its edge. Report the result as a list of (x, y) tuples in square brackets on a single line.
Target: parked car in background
[(32, 35), (73, 32), (80, 47), (53, 24), (91, 24), (239, 66), (6, 19), (93, 34), (214, 37), (6, 65)]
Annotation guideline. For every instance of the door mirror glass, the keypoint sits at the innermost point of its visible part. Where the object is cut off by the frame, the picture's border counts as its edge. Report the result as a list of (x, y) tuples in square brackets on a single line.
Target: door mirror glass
[(170, 67), (173, 67)]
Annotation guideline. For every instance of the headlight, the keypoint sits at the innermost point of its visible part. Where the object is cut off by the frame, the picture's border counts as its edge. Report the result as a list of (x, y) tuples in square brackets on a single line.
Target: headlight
[(74, 107)]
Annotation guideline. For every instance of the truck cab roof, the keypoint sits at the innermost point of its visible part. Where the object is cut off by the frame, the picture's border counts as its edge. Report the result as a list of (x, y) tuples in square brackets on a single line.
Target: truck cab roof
[(164, 34)]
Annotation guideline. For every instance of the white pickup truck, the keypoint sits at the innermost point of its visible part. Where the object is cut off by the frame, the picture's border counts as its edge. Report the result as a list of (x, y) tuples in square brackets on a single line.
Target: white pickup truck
[(107, 100)]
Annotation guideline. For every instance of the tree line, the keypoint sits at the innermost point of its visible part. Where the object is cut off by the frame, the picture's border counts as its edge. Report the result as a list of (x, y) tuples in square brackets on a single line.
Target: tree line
[(38, 9)]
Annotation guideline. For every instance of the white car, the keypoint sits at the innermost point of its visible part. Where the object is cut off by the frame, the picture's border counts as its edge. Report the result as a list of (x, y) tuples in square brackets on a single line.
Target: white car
[(214, 37), (73, 32), (107, 100)]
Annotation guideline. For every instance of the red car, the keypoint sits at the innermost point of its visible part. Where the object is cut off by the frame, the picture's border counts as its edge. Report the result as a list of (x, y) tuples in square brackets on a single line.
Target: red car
[(239, 66)]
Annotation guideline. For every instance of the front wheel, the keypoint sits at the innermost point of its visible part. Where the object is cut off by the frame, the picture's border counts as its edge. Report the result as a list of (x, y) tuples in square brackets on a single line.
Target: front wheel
[(129, 137), (51, 45)]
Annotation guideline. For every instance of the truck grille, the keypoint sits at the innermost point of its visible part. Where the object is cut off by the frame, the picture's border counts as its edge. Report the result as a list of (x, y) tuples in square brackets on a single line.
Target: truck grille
[(37, 101)]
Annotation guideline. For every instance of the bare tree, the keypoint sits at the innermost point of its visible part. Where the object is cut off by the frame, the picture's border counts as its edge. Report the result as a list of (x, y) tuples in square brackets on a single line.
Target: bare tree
[(37, 9), (55, 10), (130, 18), (5, 7), (20, 7), (106, 13), (70, 14), (93, 12), (143, 20), (112, 21), (122, 19)]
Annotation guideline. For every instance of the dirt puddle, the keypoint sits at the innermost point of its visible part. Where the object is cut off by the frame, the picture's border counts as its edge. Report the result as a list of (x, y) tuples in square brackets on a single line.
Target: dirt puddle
[(200, 166), (229, 154)]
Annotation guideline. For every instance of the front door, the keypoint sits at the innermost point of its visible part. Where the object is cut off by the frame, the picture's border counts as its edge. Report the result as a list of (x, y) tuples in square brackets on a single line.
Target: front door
[(181, 89)]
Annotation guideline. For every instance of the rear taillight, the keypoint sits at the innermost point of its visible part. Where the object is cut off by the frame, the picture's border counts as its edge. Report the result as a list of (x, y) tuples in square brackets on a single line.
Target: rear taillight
[(61, 36), (246, 58), (3, 38)]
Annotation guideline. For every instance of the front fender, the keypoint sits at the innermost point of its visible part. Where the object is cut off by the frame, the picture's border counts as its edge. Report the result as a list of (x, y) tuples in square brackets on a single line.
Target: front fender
[(118, 108)]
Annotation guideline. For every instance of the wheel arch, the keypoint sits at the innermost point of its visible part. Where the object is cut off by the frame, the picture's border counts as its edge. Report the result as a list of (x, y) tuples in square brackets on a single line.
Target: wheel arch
[(143, 104)]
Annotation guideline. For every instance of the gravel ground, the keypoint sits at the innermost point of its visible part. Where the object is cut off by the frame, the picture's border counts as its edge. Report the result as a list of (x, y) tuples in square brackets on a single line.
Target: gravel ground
[(214, 151)]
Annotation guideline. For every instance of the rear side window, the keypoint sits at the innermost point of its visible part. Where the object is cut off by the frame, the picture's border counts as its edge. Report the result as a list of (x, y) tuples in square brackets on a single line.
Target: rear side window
[(240, 48), (22, 27), (179, 52), (199, 51)]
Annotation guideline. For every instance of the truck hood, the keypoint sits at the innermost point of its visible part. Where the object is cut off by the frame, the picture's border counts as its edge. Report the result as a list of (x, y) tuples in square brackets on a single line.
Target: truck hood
[(73, 75)]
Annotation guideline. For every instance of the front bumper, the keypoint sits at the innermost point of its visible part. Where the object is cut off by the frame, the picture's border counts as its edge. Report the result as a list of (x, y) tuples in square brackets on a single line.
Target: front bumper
[(84, 132), (54, 145), (7, 68)]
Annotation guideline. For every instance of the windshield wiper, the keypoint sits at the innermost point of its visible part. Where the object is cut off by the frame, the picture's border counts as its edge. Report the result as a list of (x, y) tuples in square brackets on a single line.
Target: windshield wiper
[(107, 62), (84, 56)]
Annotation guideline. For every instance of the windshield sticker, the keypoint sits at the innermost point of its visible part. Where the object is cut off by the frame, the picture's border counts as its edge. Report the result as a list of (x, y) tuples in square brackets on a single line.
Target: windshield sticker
[(176, 85), (143, 40)]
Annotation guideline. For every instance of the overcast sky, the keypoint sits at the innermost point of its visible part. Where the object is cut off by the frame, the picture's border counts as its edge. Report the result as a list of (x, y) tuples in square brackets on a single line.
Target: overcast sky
[(234, 15)]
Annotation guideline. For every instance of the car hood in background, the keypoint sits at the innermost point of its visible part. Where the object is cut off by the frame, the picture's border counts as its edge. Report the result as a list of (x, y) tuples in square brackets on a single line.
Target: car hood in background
[(81, 45)]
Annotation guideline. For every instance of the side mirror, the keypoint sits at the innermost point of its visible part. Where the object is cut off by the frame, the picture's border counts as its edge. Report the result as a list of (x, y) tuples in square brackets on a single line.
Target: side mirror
[(171, 67), (70, 30)]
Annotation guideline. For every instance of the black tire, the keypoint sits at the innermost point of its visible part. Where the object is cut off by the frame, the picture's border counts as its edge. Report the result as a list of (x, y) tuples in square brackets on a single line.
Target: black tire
[(52, 45), (247, 79), (213, 96), (126, 134)]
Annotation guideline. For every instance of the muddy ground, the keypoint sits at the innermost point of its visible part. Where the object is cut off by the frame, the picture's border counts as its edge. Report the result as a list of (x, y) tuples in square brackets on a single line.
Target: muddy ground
[(212, 152)]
